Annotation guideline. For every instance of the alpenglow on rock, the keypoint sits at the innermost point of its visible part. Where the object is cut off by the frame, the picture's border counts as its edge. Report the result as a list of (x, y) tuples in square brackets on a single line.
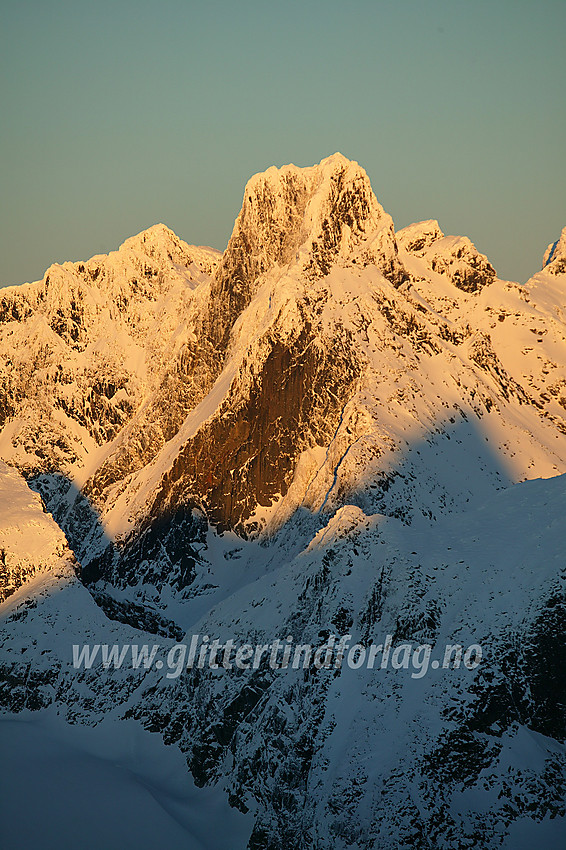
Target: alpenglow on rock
[(554, 259), (328, 429), (289, 373), (308, 218)]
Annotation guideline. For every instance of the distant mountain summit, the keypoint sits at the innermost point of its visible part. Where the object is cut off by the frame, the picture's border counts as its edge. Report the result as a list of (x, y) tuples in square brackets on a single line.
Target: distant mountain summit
[(304, 435), (554, 260), (308, 218), (167, 376)]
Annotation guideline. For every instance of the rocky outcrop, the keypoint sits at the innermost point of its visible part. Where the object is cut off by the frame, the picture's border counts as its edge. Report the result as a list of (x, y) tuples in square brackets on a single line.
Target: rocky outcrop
[(305, 217), (453, 256), (292, 403), (417, 238), (554, 260)]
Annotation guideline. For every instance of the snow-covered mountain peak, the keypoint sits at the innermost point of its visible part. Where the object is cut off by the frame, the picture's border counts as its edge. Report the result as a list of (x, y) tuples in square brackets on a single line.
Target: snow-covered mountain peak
[(338, 160), (304, 220), (291, 208), (416, 238), (92, 340), (154, 254), (455, 257), (554, 259), (157, 237), (313, 174), (158, 231), (161, 244)]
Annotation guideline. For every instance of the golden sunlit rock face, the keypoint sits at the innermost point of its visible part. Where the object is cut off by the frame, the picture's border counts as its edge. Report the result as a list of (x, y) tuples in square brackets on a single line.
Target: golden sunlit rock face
[(170, 377), (331, 432)]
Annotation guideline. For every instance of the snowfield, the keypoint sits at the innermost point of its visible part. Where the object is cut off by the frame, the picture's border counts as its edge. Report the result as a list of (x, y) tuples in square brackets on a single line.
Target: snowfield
[(109, 786)]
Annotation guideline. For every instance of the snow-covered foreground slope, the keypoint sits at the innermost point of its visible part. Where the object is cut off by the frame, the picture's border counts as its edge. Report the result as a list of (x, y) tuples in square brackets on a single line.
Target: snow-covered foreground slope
[(321, 432), (347, 758), (106, 787)]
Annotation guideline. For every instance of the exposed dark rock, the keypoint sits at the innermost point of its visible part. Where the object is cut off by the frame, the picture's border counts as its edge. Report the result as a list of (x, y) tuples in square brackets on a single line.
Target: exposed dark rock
[(293, 403), (135, 615)]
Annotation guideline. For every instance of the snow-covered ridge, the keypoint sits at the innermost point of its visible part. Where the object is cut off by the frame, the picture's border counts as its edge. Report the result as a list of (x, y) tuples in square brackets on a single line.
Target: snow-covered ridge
[(554, 259), (311, 357), (31, 542), (354, 409), (83, 348)]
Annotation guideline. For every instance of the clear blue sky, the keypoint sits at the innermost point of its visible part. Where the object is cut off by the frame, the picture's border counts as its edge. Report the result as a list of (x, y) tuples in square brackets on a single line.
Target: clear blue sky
[(117, 115)]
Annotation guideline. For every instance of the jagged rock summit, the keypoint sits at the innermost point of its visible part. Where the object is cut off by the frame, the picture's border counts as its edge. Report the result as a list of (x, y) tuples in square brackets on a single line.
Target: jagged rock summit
[(328, 429), (310, 218), (285, 374), (453, 256), (554, 259)]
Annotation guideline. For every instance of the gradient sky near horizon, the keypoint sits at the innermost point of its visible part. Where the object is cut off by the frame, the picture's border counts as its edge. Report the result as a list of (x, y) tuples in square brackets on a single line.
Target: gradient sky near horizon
[(118, 114)]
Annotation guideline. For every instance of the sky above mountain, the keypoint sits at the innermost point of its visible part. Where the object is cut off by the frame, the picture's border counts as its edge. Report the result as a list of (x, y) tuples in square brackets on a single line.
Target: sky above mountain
[(120, 115)]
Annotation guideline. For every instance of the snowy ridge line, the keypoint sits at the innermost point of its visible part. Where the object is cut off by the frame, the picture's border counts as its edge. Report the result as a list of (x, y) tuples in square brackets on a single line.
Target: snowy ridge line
[(201, 652), (318, 434), (160, 348)]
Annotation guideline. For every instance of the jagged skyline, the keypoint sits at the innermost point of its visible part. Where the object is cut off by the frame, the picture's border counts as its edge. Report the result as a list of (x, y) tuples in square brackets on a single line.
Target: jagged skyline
[(124, 115), (333, 431), (314, 274)]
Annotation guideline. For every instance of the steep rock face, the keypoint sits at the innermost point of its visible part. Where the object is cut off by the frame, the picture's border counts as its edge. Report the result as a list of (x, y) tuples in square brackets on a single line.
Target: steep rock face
[(293, 404)]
